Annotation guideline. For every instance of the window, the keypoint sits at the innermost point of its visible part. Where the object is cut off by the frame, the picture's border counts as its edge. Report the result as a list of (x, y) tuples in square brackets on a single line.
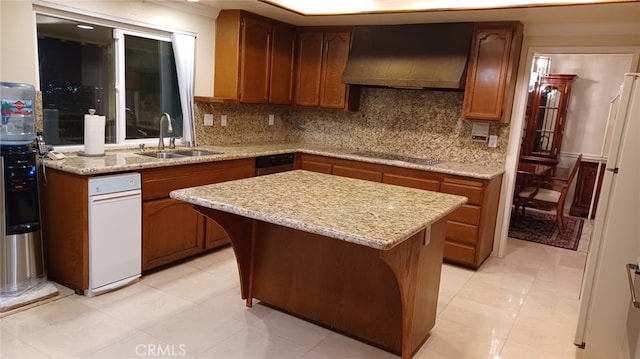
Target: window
[(129, 77), (151, 86)]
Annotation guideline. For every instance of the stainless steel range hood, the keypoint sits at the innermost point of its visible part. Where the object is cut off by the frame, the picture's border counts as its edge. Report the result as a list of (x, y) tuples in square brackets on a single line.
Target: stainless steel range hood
[(409, 56)]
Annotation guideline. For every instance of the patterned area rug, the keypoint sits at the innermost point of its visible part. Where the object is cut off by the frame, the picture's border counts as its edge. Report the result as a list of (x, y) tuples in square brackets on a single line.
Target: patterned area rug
[(540, 227)]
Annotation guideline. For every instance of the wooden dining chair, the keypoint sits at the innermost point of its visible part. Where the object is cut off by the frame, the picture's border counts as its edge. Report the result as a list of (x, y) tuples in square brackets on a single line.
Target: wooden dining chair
[(548, 193)]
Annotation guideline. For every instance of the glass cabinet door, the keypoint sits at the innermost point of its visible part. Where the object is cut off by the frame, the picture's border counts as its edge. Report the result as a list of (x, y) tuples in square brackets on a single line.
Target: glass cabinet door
[(546, 116), (546, 121)]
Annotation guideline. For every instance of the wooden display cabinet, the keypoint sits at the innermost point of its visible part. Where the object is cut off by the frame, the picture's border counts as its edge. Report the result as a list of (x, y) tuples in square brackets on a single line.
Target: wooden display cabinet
[(492, 70), (547, 117)]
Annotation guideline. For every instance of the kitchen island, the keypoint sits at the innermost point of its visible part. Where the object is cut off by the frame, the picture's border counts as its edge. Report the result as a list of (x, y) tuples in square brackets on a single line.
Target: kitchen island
[(359, 257)]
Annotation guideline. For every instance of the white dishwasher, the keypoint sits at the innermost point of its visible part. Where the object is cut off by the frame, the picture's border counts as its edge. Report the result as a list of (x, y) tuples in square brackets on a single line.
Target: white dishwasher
[(115, 232)]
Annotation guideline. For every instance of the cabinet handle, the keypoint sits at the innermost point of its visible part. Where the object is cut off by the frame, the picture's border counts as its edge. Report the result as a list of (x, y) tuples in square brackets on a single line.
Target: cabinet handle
[(632, 268)]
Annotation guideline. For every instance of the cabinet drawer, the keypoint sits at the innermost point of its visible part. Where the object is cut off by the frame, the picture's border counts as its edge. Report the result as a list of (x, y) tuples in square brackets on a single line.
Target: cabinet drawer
[(413, 182), (316, 166), (357, 173), (158, 182), (470, 189), (462, 232), (457, 252), (468, 213)]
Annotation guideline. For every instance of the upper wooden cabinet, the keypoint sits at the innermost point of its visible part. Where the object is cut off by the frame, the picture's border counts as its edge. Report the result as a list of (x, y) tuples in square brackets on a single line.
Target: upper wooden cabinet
[(322, 57), (492, 70), (283, 57), (254, 59), (546, 117)]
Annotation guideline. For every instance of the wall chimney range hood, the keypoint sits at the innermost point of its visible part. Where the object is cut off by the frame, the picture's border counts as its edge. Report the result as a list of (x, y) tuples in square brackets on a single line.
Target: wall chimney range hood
[(410, 56)]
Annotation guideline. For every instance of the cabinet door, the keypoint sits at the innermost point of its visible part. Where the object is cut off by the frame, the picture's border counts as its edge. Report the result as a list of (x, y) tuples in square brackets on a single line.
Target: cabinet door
[(547, 116), (413, 182), (227, 55), (255, 60), (171, 231), (308, 68), (334, 59), (282, 65), (493, 63), (358, 173), (214, 235)]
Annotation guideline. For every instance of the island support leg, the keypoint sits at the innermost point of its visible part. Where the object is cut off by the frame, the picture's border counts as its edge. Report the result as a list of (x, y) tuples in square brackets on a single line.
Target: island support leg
[(417, 266), (241, 232)]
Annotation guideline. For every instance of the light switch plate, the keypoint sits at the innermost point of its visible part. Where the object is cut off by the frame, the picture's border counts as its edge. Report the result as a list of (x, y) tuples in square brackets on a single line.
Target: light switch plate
[(271, 120), (223, 120), (493, 141), (208, 119)]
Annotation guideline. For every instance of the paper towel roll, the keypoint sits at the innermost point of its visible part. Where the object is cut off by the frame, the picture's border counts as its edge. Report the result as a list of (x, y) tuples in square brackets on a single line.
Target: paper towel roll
[(93, 134)]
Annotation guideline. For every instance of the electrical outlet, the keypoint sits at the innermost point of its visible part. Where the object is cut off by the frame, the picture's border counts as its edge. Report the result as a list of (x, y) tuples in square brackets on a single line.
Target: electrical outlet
[(493, 141), (271, 120), (223, 120), (208, 119)]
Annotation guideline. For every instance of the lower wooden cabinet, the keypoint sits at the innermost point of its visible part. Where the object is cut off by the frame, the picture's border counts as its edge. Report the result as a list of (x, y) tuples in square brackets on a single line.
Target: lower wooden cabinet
[(172, 229), (470, 228), (214, 234), (585, 183), (359, 173), (64, 209)]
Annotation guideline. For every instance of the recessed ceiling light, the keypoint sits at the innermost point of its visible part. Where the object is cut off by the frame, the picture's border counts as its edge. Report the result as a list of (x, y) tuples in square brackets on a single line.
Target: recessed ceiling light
[(341, 7), (85, 27), (193, 0)]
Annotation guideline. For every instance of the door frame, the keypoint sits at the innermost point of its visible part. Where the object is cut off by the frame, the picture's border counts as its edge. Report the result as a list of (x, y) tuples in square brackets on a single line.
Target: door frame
[(517, 123)]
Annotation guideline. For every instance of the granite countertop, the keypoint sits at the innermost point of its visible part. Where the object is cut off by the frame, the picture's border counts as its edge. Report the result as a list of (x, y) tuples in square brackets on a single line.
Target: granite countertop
[(129, 160), (372, 214)]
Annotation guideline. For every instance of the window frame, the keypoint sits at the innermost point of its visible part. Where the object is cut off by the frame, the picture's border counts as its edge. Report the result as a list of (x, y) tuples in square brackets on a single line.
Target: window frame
[(120, 28)]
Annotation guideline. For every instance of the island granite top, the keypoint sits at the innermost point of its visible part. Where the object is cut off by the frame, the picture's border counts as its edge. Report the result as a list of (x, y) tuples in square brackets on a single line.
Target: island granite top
[(123, 160), (367, 213)]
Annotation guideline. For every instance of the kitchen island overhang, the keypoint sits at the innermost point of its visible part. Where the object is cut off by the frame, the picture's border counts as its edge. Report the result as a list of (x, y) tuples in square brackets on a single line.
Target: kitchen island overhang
[(359, 257)]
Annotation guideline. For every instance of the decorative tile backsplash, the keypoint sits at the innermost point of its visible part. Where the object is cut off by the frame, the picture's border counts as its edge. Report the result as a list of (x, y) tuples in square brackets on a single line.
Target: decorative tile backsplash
[(423, 123)]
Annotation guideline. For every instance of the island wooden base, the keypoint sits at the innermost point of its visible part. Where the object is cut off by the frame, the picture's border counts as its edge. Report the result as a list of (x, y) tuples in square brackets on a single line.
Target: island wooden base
[(387, 298)]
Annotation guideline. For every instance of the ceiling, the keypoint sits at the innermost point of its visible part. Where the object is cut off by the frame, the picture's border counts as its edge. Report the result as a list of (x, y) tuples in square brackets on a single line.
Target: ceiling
[(627, 12)]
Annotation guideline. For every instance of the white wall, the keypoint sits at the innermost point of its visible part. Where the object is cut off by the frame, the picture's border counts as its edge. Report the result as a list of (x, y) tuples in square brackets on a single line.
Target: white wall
[(18, 32), (599, 78)]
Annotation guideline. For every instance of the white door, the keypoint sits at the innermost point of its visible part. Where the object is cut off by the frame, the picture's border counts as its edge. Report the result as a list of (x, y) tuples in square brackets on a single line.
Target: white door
[(630, 348), (616, 228)]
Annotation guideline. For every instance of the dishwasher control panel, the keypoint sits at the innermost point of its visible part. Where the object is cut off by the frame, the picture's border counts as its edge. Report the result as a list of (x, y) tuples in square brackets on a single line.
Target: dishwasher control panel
[(114, 183)]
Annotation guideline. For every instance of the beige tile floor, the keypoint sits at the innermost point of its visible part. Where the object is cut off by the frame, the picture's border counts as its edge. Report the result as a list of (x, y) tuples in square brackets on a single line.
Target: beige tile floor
[(522, 306)]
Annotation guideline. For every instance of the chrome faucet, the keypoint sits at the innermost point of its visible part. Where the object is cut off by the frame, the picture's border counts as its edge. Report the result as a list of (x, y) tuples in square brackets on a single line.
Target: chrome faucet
[(172, 143)]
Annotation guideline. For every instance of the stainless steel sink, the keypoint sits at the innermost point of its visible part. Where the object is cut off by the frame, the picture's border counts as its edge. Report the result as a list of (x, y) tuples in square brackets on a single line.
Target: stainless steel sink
[(196, 153), (179, 154), (162, 155)]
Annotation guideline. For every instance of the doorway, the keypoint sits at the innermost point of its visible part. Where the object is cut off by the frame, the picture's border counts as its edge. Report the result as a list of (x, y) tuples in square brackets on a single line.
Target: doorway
[(591, 97), (567, 111)]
